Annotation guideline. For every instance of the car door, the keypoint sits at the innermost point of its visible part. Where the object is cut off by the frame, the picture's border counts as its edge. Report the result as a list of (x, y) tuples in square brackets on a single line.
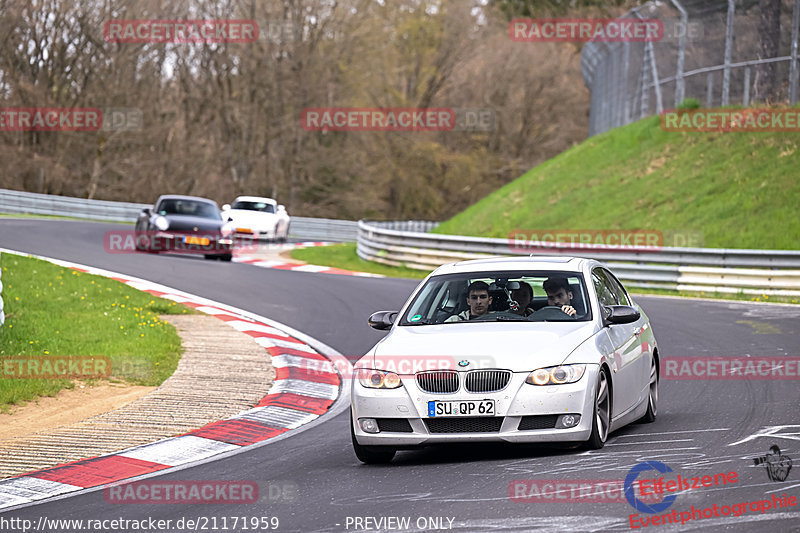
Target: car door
[(626, 359), (642, 358)]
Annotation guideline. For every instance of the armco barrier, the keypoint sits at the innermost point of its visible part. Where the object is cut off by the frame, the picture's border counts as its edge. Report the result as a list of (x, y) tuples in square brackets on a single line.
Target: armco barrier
[(770, 272), (407, 243), (17, 202)]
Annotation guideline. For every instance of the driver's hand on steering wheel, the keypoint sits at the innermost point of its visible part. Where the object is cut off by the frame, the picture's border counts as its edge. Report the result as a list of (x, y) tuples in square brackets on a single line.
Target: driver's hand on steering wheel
[(569, 310)]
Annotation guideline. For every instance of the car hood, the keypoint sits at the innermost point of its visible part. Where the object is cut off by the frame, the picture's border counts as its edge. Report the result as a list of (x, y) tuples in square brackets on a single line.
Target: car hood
[(188, 223), (244, 217), (518, 347)]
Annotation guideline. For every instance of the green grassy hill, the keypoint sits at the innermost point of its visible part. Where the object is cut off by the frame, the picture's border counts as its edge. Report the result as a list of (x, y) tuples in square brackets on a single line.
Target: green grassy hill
[(739, 190)]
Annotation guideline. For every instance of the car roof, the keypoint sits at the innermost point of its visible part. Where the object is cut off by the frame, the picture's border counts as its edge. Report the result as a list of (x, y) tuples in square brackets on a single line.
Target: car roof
[(184, 197), (255, 199), (532, 262)]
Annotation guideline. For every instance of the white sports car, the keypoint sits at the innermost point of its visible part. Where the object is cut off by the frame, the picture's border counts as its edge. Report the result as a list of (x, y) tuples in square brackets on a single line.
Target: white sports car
[(258, 217), (529, 349)]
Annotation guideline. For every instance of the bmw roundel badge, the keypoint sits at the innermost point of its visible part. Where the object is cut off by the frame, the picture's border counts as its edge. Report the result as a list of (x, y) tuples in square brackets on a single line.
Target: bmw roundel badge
[(463, 363)]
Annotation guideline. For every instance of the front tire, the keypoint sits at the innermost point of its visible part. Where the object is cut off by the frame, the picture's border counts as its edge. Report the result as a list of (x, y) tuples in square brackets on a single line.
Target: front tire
[(601, 419), (371, 455), (652, 396)]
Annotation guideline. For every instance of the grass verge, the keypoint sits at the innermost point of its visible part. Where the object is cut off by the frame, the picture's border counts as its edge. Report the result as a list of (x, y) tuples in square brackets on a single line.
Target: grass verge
[(737, 190), (56, 311)]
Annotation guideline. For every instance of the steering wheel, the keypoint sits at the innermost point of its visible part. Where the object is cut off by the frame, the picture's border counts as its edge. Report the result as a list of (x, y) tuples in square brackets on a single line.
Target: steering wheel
[(549, 312)]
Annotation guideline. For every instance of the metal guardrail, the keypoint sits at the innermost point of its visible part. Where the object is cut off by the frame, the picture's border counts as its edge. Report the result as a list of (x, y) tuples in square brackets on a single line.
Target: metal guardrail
[(49, 204), (771, 272), (18, 202), (408, 243)]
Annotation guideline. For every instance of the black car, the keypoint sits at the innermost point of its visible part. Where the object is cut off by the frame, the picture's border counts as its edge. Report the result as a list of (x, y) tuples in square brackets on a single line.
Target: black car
[(185, 224)]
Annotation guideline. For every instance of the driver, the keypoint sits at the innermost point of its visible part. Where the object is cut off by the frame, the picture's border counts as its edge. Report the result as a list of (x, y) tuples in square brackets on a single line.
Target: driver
[(478, 300), (559, 294)]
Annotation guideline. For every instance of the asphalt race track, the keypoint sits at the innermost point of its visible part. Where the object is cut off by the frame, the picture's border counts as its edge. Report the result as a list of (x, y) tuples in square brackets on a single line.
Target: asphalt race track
[(704, 427)]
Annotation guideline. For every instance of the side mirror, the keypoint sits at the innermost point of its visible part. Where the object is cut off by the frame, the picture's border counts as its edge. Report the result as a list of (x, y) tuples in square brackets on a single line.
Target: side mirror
[(620, 314), (226, 207), (382, 319), (281, 208), (230, 219), (147, 211)]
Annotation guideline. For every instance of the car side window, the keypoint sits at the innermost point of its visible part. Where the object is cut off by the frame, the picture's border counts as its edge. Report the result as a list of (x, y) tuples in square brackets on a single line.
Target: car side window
[(601, 286), (616, 288)]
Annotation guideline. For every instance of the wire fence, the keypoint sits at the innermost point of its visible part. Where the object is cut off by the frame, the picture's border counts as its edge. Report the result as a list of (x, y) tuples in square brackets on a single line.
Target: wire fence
[(712, 50)]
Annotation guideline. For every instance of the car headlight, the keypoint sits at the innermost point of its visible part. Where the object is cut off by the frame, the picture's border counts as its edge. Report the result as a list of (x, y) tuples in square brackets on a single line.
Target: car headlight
[(556, 375), (161, 223), (227, 229), (378, 379)]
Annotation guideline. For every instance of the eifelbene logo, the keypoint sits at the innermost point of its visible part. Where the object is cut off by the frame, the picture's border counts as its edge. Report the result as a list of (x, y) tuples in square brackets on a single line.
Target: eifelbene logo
[(661, 486), (637, 503), (554, 30)]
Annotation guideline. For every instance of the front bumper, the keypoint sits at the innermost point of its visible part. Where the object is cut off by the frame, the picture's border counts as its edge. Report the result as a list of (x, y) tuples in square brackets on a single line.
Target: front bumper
[(256, 233), (175, 242), (516, 401)]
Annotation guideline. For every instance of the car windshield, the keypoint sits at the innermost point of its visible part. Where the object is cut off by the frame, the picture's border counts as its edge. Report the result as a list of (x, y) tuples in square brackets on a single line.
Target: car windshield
[(263, 207), (499, 297), (174, 206)]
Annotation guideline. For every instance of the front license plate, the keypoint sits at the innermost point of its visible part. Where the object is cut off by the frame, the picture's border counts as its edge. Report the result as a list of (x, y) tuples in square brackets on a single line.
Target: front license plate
[(204, 241), (461, 408)]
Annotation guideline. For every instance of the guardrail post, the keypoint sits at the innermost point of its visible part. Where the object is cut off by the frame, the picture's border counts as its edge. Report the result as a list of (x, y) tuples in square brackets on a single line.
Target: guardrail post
[(746, 97), (709, 89), (680, 86), (726, 73), (793, 68)]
